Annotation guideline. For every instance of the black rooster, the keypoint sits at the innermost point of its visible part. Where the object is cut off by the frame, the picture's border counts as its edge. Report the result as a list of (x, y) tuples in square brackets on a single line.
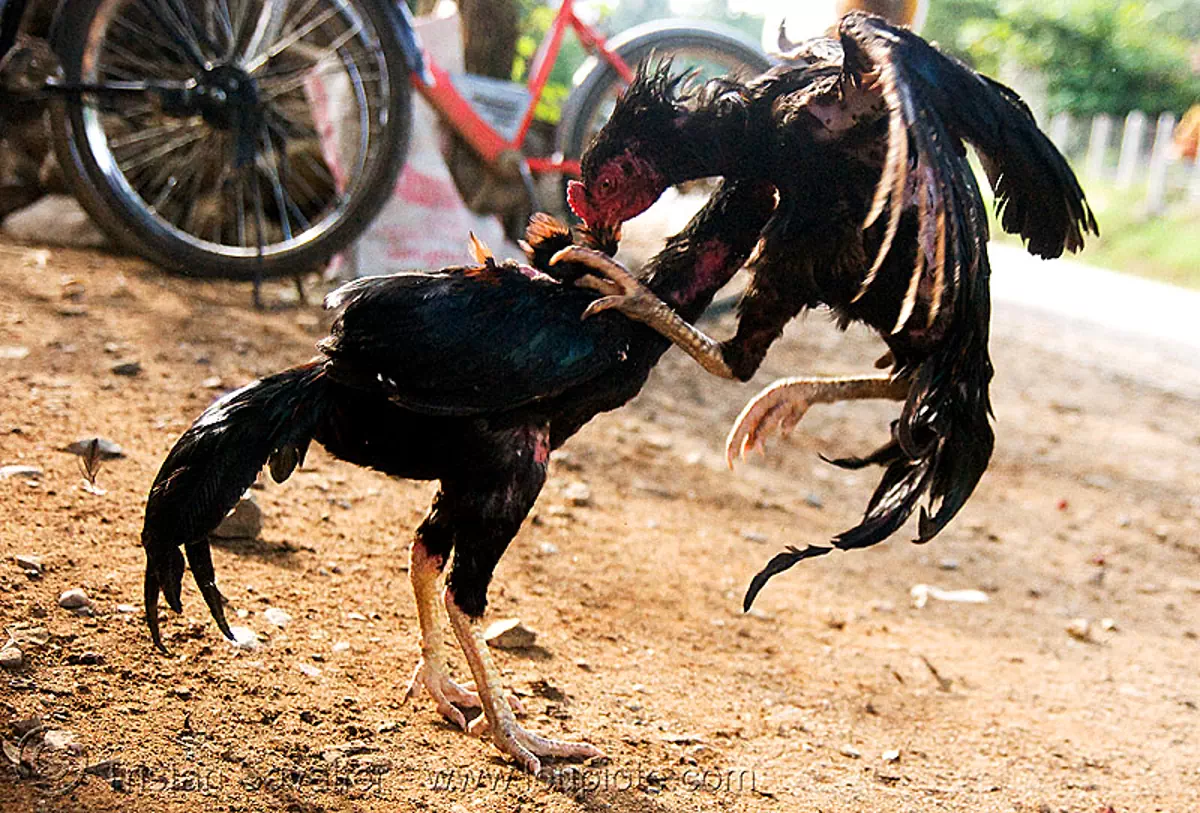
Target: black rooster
[(469, 376), (879, 219)]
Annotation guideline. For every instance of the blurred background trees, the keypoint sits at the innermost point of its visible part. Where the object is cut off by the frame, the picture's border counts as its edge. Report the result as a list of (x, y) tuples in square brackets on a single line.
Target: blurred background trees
[(1095, 56)]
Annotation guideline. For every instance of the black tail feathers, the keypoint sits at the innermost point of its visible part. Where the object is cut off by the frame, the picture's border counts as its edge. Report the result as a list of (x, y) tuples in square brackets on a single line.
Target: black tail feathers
[(940, 447), (269, 421)]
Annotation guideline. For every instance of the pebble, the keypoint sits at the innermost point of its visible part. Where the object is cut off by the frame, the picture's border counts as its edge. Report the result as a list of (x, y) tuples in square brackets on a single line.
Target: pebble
[(108, 450), (11, 658), (126, 368), (578, 494), (340, 647), (1080, 629), (182, 692), (74, 599), (13, 352), (548, 549), (57, 739), (756, 536), (212, 383), (85, 659), (29, 562), (659, 442), (892, 755), (813, 500), (28, 472), (509, 633), (278, 617), (848, 750), (244, 638), (788, 719), (948, 564), (921, 593), (243, 522), (72, 289), (309, 669), (126, 609), (565, 459)]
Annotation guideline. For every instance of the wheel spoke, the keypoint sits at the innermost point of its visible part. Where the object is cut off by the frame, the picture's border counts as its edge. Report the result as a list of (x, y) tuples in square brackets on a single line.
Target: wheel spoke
[(146, 36), (260, 218), (150, 134), (271, 165), (291, 39), (268, 27), (178, 31), (221, 16), (160, 152)]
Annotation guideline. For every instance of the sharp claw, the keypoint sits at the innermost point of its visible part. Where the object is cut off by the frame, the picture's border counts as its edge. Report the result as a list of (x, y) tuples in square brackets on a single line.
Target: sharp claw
[(604, 265), (453, 715), (601, 305)]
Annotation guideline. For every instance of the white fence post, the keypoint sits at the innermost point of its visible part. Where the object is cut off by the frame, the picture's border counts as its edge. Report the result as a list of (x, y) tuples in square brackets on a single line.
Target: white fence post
[(1160, 159), (1131, 148), (1097, 149), (1060, 131)]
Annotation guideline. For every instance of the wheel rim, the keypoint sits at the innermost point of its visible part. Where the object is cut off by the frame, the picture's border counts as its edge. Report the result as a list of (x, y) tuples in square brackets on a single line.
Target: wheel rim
[(234, 164)]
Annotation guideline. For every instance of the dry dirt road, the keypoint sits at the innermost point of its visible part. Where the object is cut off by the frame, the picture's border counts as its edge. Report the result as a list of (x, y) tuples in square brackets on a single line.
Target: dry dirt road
[(836, 694)]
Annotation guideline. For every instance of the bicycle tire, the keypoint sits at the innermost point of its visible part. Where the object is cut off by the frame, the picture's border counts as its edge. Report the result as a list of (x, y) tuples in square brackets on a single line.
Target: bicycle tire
[(127, 218), (664, 38)]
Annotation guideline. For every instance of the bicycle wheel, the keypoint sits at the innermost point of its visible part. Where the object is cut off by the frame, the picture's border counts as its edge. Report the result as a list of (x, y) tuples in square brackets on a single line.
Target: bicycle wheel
[(710, 50), (204, 152)]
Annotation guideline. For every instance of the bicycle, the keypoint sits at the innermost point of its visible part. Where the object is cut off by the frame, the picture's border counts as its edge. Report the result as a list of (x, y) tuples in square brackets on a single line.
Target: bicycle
[(184, 128)]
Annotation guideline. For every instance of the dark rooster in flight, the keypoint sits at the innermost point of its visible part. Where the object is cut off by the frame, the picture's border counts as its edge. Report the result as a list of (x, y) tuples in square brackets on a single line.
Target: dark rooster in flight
[(469, 376), (863, 134)]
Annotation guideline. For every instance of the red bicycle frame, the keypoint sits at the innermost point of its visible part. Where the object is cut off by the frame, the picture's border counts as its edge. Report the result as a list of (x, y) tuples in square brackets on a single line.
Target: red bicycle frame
[(483, 138)]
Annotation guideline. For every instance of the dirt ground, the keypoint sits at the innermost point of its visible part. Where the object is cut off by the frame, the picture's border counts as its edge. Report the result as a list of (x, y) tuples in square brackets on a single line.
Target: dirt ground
[(835, 694)]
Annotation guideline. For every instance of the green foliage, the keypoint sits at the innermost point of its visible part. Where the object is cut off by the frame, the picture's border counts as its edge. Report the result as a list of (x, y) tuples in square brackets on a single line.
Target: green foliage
[(536, 20), (1097, 56)]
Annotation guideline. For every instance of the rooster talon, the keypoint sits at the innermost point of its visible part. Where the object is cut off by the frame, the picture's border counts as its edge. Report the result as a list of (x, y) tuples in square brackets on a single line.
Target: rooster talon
[(600, 305)]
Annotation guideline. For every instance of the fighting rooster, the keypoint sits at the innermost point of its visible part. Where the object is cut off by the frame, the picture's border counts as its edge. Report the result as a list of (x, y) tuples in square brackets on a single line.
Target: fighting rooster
[(879, 219), (468, 376)]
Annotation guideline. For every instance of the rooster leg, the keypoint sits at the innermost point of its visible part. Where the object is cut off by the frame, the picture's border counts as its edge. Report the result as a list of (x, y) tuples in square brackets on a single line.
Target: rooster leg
[(508, 736), (431, 673), (782, 405), (625, 293)]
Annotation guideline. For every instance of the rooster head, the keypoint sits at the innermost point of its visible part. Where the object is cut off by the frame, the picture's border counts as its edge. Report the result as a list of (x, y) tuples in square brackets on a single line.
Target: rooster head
[(622, 187), (626, 167)]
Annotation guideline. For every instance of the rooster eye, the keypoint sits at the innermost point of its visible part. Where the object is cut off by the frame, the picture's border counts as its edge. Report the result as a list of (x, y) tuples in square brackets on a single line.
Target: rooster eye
[(605, 185)]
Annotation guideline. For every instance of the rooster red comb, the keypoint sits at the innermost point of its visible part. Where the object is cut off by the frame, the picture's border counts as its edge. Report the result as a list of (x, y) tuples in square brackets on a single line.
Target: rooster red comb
[(577, 200)]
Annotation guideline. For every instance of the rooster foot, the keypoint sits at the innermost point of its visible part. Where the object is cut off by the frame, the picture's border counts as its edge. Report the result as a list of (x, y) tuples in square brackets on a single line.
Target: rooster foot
[(447, 694), (525, 746), (622, 290), (781, 405), (507, 735), (626, 293)]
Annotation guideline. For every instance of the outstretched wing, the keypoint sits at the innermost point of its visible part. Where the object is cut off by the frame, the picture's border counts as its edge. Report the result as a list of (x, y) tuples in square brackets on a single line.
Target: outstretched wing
[(468, 341), (934, 104)]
